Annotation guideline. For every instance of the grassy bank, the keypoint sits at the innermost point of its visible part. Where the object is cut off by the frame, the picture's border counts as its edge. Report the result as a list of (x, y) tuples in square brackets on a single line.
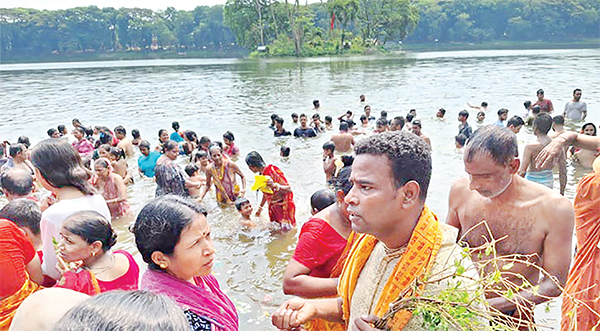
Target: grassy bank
[(241, 53), (442, 47)]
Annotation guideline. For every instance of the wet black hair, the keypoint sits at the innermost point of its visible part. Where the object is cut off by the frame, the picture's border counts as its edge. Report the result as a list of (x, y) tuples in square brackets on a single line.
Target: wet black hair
[(464, 113), (24, 213), (502, 111), (347, 160), (383, 114), (161, 131), (125, 311), (409, 156), (461, 139), (342, 181), (399, 120), (417, 123), (159, 225), (118, 152), (274, 116), (409, 118), (15, 149), (191, 135), (191, 169), (169, 145), (255, 160), (279, 120), (542, 123), (322, 199), (558, 119), (144, 143), (285, 151), (120, 129), (329, 146), (328, 119), (200, 153), (294, 115), (484, 104), (442, 110), (175, 125), (240, 202), (51, 132), (60, 165), (24, 140), (229, 135), (527, 104), (91, 227), (363, 117), (589, 124), (381, 122), (135, 133), (315, 102), (61, 128), (515, 121), (204, 140), (344, 126), (498, 142)]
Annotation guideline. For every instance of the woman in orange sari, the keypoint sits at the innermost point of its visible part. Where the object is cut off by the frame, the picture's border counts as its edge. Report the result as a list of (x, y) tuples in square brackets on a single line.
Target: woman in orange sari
[(583, 283), (281, 202)]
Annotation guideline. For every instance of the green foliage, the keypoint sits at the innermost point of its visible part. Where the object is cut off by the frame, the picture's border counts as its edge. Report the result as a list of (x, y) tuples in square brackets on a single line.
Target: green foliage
[(366, 24)]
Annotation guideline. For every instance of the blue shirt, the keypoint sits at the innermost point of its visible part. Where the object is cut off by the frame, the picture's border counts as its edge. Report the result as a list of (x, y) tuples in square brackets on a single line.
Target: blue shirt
[(499, 123), (148, 163), (176, 137)]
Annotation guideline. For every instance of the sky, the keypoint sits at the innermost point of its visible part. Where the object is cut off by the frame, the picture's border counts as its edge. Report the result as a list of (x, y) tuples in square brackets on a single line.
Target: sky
[(151, 4)]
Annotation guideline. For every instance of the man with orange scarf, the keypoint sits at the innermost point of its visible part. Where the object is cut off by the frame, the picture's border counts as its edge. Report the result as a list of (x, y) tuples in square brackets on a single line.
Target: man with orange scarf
[(401, 240), (20, 270), (281, 199)]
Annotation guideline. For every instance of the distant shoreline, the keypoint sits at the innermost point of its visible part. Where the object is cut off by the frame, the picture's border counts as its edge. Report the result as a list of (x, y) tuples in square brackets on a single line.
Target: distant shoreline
[(240, 53)]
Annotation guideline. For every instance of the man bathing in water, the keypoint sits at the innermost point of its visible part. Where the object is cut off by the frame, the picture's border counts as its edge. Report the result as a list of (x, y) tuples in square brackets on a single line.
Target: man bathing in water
[(541, 126), (344, 140), (222, 173), (535, 222)]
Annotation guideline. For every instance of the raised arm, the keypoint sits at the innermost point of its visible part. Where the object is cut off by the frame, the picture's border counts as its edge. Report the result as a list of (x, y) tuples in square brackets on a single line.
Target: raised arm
[(237, 170), (549, 155)]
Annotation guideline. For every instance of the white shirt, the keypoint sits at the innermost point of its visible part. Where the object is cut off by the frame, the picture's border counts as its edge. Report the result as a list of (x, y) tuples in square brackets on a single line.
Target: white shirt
[(52, 220)]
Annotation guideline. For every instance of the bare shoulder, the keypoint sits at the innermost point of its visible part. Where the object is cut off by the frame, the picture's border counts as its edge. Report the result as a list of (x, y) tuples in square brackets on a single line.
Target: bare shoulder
[(459, 192), (549, 203)]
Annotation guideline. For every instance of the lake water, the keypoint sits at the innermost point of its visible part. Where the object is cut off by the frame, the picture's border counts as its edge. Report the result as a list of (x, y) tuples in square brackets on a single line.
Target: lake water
[(213, 96)]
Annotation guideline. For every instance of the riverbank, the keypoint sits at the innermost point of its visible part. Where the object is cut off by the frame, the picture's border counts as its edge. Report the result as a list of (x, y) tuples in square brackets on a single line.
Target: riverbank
[(443, 47), (241, 53)]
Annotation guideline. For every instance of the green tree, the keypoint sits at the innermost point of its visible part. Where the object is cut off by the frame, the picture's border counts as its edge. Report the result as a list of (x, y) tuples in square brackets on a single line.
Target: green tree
[(345, 12), (383, 20)]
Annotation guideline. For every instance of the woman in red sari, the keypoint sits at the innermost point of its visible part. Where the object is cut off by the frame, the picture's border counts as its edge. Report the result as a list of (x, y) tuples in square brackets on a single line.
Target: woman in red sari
[(281, 202), (86, 238)]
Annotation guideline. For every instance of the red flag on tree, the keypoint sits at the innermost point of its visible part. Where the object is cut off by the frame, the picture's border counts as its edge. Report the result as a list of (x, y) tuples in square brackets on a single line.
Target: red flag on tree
[(332, 20)]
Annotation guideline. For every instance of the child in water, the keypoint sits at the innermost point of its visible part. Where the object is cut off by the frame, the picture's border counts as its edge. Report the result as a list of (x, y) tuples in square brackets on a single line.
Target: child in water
[(244, 207), (195, 177)]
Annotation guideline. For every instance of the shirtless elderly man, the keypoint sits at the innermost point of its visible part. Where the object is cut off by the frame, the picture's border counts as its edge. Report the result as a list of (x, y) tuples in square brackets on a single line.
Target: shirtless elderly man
[(344, 140), (536, 221)]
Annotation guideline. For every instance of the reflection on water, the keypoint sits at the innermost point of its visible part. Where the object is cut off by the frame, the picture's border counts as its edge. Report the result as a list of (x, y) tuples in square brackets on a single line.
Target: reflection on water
[(212, 96)]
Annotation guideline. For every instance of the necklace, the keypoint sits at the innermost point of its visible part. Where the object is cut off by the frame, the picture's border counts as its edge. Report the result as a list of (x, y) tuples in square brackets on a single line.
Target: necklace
[(103, 269)]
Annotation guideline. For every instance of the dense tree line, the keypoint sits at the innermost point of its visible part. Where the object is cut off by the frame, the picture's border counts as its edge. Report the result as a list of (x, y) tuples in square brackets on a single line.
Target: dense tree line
[(292, 27)]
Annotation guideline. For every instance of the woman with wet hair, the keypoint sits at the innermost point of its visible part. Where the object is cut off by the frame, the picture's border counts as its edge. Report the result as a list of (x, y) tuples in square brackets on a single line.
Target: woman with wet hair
[(124, 311), (173, 237), (112, 187), (147, 161), (170, 178), (191, 142), (86, 239), (230, 149), (58, 169)]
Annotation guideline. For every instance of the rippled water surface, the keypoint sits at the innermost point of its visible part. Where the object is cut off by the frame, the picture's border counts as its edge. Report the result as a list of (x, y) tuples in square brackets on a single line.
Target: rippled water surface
[(212, 96)]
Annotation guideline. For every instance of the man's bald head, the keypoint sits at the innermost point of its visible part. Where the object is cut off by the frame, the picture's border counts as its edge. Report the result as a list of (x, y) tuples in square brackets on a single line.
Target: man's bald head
[(16, 183)]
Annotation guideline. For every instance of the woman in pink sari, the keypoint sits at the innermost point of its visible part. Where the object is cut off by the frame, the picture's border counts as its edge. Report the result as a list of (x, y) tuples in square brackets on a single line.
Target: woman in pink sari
[(85, 257), (112, 187), (173, 237)]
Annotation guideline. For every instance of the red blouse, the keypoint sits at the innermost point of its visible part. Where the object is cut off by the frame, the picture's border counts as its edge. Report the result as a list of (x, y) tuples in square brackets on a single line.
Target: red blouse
[(319, 247)]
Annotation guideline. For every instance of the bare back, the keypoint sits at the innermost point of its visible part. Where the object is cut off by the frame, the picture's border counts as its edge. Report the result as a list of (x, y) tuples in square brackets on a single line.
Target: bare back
[(343, 141)]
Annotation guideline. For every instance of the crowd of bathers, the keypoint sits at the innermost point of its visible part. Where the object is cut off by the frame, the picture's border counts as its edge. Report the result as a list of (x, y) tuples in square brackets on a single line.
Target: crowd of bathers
[(64, 192)]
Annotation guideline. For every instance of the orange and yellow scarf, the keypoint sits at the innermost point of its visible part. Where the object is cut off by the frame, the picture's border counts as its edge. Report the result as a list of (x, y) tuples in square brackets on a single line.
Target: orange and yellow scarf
[(416, 262), (9, 305)]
